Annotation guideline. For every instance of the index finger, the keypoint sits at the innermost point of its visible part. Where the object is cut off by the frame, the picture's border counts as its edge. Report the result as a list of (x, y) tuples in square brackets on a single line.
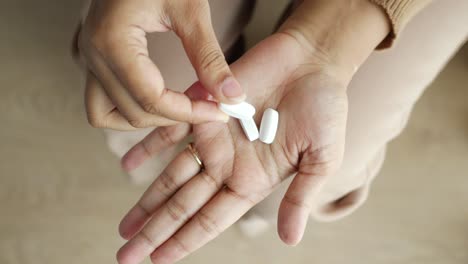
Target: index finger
[(214, 218), (136, 71)]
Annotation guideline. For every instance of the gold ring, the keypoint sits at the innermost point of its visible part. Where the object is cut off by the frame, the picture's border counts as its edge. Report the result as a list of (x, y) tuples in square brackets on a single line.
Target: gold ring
[(195, 155)]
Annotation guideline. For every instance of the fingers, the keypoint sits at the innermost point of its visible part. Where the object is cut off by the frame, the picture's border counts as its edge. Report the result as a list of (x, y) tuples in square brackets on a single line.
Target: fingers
[(195, 29), (176, 174), (297, 203), (101, 112), (162, 137), (121, 97), (116, 97), (171, 216), (118, 57), (295, 208), (140, 77), (220, 213), (155, 142)]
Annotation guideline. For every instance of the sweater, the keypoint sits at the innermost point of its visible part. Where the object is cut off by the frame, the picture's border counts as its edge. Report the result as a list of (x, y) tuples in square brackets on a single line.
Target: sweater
[(399, 12)]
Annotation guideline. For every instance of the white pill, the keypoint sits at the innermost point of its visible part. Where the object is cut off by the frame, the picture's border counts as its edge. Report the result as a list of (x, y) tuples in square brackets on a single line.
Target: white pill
[(243, 110), (269, 126), (250, 128)]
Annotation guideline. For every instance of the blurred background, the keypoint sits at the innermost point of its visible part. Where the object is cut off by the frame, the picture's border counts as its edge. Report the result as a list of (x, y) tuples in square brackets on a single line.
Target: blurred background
[(62, 193)]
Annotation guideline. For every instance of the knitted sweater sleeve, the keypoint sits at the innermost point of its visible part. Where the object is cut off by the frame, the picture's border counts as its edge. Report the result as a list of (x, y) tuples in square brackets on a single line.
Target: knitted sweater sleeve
[(400, 13)]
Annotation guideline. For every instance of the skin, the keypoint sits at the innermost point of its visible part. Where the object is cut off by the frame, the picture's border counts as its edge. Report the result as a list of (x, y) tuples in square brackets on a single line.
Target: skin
[(317, 51), (125, 89)]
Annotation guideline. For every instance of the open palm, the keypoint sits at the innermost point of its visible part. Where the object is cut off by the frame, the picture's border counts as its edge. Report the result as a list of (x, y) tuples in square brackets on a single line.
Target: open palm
[(185, 208)]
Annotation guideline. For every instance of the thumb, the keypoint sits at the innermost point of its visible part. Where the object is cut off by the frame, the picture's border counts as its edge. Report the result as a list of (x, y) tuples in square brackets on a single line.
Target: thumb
[(297, 203), (202, 47)]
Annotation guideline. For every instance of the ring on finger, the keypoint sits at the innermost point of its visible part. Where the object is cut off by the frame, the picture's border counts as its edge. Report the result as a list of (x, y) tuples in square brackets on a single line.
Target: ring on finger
[(195, 155)]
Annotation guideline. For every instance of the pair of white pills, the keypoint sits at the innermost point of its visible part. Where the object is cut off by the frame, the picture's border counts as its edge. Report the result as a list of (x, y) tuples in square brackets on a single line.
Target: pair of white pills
[(245, 112)]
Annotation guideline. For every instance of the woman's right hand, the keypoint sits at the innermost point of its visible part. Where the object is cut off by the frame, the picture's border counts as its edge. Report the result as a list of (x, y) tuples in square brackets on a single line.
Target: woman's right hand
[(124, 88)]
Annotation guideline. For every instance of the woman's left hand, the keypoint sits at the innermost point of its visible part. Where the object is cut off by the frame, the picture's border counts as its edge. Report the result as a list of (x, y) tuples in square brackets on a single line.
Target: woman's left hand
[(303, 72), (185, 208)]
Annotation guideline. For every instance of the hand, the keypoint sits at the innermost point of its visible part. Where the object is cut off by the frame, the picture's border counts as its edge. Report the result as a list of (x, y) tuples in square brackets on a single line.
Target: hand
[(124, 89), (302, 72), (184, 208)]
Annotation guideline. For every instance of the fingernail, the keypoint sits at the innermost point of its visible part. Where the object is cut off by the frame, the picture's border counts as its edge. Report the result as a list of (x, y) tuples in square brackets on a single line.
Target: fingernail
[(232, 90)]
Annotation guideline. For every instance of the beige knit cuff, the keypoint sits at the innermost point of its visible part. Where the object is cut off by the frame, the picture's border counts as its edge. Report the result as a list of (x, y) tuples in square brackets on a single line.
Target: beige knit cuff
[(400, 13)]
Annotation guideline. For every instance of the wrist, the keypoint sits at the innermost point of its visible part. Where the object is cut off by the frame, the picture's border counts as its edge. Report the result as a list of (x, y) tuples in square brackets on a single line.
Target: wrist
[(339, 33)]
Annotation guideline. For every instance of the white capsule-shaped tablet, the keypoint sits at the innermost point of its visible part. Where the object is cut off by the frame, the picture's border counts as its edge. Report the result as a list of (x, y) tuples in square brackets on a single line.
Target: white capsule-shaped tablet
[(243, 110), (269, 126), (250, 128)]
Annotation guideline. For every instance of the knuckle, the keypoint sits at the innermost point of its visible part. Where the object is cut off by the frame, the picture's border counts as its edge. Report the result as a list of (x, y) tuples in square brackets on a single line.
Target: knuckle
[(143, 208), (166, 184), (151, 107), (166, 136), (147, 238), (102, 38), (101, 31), (176, 210), (297, 202), (212, 58), (184, 248), (192, 118), (95, 39), (210, 179), (97, 122), (158, 105), (93, 116), (208, 224), (138, 123), (146, 146)]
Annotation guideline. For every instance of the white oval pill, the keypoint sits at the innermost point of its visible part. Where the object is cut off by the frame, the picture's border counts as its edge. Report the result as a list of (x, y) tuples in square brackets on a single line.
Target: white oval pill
[(250, 128), (269, 126), (243, 110)]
